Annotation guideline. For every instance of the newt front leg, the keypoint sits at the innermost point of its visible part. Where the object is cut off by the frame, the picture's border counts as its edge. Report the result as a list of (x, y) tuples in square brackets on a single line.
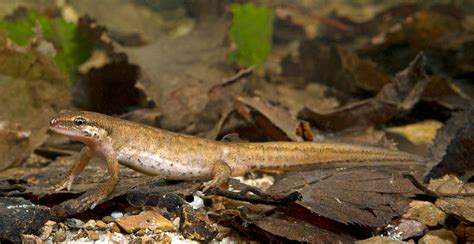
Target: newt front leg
[(84, 158), (95, 196)]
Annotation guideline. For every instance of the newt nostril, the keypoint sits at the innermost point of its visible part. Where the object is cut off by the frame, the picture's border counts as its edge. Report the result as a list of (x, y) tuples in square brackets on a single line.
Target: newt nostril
[(53, 122)]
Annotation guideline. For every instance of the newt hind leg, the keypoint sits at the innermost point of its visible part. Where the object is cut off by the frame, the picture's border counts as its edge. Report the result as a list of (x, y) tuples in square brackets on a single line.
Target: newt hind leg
[(221, 173)]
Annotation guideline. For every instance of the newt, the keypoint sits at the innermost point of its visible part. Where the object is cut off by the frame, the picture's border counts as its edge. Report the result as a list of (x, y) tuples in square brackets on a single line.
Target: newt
[(154, 151)]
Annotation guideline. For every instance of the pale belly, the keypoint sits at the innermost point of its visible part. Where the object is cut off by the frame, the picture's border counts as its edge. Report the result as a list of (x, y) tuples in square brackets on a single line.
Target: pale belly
[(185, 167)]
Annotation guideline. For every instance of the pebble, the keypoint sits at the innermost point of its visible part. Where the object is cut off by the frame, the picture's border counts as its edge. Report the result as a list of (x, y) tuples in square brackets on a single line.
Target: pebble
[(92, 235), (108, 219), (59, 236), (31, 239), (81, 234), (47, 229), (101, 225), (381, 240), (74, 223), (411, 228), (116, 215), (441, 236), (90, 225), (426, 213), (197, 202), (140, 232), (113, 227), (63, 226), (469, 233), (147, 219)]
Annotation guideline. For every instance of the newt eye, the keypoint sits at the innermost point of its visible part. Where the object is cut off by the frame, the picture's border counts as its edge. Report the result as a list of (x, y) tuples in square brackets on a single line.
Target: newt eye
[(79, 121)]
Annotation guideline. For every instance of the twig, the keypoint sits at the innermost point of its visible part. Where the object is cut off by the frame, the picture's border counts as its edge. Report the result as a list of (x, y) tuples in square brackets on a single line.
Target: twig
[(259, 197), (431, 193)]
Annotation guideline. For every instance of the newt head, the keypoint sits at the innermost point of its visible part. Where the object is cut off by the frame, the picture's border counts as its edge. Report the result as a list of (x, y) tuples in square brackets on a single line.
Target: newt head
[(80, 126)]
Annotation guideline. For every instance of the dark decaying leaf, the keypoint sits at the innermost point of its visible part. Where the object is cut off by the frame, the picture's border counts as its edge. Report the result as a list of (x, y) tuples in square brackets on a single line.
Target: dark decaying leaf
[(457, 204), (195, 225), (369, 197), (453, 146), (336, 67), (298, 230), (220, 104), (107, 82), (429, 30), (20, 216), (276, 122), (394, 97)]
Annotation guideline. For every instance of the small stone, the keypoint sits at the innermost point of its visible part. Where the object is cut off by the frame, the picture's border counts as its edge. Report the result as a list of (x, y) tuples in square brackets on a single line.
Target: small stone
[(137, 240), (108, 219), (74, 223), (89, 225), (469, 233), (380, 240), (426, 213), (197, 202), (59, 236), (101, 225), (442, 236), (92, 235), (116, 215), (113, 227), (30, 239), (140, 233), (146, 219), (81, 234), (411, 228), (63, 226), (47, 229)]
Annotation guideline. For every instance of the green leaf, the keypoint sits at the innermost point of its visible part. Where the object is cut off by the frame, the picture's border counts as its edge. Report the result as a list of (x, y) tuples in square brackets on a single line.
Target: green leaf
[(251, 31), (72, 48)]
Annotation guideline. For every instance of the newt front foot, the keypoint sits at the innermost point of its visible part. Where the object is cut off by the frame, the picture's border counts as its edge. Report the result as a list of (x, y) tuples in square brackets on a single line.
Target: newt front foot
[(65, 183)]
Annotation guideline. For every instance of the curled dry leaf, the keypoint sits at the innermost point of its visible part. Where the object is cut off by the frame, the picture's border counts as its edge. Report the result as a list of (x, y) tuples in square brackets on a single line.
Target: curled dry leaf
[(460, 205), (32, 90), (276, 122), (394, 97), (14, 143), (365, 196), (453, 146)]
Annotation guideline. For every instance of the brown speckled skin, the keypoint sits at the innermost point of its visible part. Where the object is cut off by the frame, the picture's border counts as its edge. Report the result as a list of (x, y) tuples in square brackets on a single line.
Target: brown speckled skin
[(175, 156)]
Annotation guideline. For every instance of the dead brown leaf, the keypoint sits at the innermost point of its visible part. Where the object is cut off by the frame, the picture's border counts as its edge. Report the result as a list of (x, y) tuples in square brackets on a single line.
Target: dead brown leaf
[(177, 72), (298, 230), (276, 122), (336, 67), (14, 143), (453, 146), (32, 90), (394, 97), (462, 206), (369, 197)]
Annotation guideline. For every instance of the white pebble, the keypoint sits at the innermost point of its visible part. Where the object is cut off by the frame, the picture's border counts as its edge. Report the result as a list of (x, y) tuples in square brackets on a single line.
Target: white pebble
[(197, 202), (116, 215)]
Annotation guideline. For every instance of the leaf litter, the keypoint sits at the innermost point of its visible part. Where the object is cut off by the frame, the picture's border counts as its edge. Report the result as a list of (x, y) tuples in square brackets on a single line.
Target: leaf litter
[(344, 79)]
